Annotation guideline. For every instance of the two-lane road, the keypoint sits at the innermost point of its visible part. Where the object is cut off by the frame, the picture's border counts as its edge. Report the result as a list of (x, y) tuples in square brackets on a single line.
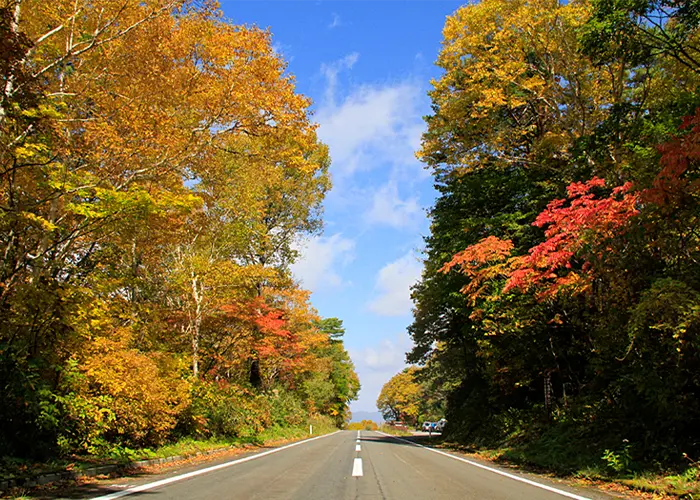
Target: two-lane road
[(351, 465)]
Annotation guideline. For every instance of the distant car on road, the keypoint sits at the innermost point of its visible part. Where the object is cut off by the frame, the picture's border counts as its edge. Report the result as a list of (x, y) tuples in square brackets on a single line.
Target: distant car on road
[(440, 425), (427, 426)]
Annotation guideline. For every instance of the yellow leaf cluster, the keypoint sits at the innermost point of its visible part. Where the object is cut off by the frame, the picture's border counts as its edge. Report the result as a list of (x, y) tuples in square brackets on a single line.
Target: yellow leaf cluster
[(517, 62)]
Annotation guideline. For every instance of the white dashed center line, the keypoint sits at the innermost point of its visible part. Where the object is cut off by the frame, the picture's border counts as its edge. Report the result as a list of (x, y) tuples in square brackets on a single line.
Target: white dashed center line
[(357, 447), (357, 467)]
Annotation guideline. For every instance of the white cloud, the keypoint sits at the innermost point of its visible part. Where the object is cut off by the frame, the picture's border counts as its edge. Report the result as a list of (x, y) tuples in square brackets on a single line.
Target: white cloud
[(373, 125), (389, 209), (386, 355), (330, 72), (335, 22), (375, 365), (321, 259), (394, 286)]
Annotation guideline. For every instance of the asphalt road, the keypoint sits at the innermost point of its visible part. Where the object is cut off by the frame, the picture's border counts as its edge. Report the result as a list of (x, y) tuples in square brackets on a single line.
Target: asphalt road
[(346, 465)]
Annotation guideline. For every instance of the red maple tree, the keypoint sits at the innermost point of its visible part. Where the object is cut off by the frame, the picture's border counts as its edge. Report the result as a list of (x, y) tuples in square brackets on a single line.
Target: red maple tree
[(578, 229)]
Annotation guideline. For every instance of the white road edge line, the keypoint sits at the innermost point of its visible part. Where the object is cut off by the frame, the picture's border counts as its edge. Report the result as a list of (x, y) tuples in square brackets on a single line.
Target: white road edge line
[(496, 471), (163, 482), (357, 467), (357, 447)]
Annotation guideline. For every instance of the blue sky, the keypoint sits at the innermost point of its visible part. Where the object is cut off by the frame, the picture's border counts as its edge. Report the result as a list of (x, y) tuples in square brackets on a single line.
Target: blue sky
[(367, 66)]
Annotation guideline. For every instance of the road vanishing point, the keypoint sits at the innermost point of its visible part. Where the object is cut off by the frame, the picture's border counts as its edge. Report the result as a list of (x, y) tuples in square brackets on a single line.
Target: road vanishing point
[(346, 465)]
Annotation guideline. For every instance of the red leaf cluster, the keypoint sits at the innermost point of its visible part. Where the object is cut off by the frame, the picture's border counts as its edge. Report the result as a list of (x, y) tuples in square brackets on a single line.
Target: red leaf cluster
[(270, 334), (482, 262), (491, 249), (582, 220), (671, 184)]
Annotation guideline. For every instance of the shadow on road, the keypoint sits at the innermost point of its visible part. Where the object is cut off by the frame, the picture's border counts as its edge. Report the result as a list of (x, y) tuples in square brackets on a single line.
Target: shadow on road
[(80, 491), (76, 490), (418, 439)]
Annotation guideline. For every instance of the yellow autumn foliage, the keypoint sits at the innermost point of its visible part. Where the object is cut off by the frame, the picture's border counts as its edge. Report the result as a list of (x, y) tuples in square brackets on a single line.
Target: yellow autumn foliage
[(140, 395), (157, 167), (515, 60)]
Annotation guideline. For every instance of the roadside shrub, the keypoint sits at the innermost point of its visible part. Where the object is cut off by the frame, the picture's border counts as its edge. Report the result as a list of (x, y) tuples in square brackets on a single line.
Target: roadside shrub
[(287, 409), (619, 461), (28, 410), (220, 409), (118, 397)]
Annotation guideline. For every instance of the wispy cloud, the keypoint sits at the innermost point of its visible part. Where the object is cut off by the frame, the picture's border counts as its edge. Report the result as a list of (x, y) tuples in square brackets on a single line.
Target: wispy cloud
[(321, 260), (373, 125), (390, 210), (335, 22), (393, 286), (330, 72), (376, 364)]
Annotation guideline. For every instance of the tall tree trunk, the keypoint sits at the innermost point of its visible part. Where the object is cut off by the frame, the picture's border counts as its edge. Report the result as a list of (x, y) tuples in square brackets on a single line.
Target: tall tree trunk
[(10, 82), (255, 378), (197, 296)]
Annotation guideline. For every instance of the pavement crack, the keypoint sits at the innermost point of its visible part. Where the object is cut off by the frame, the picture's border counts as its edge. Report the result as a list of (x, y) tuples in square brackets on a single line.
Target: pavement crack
[(382, 495)]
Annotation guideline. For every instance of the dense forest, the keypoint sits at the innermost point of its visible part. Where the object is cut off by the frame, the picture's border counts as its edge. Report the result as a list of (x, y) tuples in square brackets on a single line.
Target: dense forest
[(559, 305), (157, 168)]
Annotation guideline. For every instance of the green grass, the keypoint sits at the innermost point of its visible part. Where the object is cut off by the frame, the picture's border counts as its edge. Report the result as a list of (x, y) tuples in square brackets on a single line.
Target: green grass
[(388, 429), (275, 433), (680, 485), (186, 446)]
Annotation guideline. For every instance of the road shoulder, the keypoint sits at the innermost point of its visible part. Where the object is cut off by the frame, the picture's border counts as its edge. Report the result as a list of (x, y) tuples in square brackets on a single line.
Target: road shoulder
[(574, 486)]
